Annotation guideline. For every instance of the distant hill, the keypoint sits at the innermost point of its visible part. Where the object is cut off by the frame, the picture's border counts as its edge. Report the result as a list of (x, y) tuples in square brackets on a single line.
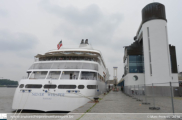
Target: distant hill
[(7, 82)]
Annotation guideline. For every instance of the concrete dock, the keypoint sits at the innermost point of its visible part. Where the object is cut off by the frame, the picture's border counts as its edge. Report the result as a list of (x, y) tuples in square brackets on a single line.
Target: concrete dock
[(116, 105)]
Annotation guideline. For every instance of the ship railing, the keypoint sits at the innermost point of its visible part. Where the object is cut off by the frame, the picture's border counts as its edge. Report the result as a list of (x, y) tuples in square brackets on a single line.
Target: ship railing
[(67, 59)]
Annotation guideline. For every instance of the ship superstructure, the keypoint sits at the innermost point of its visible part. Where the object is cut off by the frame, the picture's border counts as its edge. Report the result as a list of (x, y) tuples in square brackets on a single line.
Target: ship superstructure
[(62, 80)]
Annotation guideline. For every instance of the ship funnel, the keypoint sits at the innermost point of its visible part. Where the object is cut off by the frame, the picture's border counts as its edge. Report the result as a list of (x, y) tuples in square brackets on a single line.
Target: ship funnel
[(86, 41), (82, 41), (85, 44)]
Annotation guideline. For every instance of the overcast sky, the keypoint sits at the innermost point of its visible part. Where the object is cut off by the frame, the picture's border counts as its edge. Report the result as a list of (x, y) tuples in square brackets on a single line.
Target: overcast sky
[(29, 27)]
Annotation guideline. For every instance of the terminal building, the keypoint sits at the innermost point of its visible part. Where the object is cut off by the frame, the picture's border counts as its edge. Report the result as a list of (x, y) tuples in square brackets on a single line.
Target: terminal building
[(150, 58)]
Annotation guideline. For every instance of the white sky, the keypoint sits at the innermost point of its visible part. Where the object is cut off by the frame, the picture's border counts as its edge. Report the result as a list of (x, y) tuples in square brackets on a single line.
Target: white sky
[(36, 26)]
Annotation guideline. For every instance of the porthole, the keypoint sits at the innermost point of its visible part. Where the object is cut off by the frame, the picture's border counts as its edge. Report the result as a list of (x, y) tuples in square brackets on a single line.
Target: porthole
[(91, 86), (50, 86), (67, 86), (21, 86), (33, 86), (81, 87)]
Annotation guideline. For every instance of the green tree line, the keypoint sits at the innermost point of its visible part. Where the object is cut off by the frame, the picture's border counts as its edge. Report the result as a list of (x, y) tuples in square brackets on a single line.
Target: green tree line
[(8, 82)]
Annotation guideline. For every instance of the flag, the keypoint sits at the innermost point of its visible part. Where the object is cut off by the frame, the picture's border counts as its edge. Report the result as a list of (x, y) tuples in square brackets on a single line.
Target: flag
[(59, 44)]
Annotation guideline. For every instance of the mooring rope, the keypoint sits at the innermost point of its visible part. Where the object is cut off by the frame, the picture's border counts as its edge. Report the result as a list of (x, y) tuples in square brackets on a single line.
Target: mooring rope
[(18, 106), (85, 96), (23, 105)]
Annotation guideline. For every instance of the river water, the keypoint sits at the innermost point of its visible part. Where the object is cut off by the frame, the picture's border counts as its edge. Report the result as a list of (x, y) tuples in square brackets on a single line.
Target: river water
[(6, 99)]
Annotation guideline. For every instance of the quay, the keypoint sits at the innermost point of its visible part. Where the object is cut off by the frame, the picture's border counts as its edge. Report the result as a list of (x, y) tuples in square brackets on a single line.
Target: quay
[(117, 106)]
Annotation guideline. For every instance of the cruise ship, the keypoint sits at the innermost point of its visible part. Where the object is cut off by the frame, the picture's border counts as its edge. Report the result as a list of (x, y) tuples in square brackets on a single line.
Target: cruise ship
[(62, 80)]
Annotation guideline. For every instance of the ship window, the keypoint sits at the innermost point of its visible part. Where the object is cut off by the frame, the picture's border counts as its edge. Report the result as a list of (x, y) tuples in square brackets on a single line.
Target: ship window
[(21, 86), (86, 66), (90, 66), (38, 75), (50, 86), (91, 86), (67, 86), (65, 65), (73, 65), (86, 75), (59, 65), (54, 75), (95, 67), (81, 87), (71, 75), (33, 86)]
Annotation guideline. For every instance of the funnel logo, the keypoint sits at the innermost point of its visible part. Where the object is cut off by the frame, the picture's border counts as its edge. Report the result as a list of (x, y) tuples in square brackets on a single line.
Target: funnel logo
[(3, 116)]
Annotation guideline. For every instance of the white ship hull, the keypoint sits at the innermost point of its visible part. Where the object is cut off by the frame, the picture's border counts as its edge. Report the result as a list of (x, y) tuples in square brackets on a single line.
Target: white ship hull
[(55, 99)]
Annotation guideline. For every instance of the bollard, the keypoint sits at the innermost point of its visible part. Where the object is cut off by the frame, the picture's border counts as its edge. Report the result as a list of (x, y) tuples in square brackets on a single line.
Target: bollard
[(96, 99), (145, 103), (153, 108)]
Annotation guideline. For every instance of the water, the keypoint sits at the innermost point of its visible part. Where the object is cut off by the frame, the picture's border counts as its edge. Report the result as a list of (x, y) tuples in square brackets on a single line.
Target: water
[(6, 99)]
